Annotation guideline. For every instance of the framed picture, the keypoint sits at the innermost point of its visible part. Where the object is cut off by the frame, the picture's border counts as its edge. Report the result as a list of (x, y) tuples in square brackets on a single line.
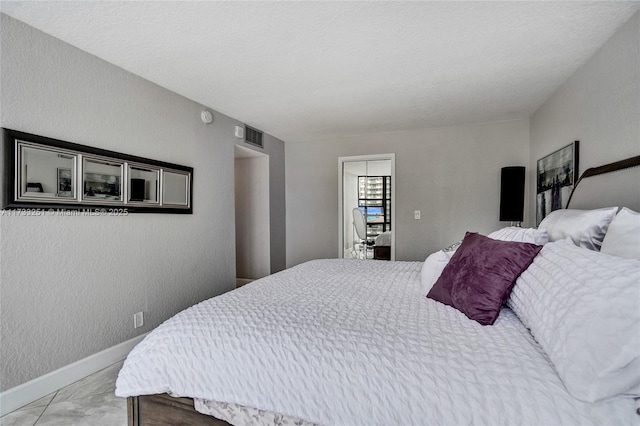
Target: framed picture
[(64, 183), (556, 176), (102, 180), (101, 186)]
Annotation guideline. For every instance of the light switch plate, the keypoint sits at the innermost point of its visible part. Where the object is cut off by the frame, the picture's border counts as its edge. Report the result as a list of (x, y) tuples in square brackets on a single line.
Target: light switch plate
[(138, 320)]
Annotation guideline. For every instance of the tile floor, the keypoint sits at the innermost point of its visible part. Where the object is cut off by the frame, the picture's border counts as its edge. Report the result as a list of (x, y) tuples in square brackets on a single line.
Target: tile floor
[(90, 401)]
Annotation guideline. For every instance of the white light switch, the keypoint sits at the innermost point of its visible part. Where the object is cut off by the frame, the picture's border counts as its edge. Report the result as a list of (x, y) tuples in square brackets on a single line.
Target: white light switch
[(416, 214), (138, 320)]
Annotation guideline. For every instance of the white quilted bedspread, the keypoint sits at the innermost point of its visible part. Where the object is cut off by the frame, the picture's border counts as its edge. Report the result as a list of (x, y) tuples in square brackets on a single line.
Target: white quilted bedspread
[(349, 342)]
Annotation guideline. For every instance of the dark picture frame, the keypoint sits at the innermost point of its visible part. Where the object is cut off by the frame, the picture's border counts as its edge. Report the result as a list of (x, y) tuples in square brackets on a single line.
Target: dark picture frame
[(111, 195), (64, 182), (556, 176)]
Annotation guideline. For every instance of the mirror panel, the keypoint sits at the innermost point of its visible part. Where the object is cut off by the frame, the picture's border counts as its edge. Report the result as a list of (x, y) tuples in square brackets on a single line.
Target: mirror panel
[(101, 180), (143, 184), (45, 174), (175, 188)]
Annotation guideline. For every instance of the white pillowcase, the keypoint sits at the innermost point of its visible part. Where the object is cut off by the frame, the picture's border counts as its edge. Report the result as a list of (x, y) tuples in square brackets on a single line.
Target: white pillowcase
[(432, 268), (586, 228), (522, 235), (582, 307), (623, 236)]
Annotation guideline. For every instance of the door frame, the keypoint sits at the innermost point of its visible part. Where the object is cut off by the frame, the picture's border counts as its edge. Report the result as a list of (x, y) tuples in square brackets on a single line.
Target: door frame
[(261, 257), (372, 157)]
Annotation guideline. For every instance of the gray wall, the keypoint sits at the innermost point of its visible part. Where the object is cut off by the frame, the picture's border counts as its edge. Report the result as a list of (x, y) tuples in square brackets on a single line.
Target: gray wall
[(277, 207), (451, 174), (599, 106), (69, 286)]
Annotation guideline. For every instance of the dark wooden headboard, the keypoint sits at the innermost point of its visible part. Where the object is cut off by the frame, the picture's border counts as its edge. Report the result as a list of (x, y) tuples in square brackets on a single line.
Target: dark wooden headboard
[(613, 184)]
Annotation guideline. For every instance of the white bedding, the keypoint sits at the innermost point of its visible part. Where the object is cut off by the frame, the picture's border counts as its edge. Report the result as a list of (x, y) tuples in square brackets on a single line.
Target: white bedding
[(351, 342)]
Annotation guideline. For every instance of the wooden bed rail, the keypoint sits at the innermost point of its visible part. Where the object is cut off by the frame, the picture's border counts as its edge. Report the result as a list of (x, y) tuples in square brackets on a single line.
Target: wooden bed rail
[(162, 409)]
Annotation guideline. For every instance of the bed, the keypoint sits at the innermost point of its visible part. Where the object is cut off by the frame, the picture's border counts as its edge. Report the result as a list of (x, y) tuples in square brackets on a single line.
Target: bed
[(354, 342), (382, 246)]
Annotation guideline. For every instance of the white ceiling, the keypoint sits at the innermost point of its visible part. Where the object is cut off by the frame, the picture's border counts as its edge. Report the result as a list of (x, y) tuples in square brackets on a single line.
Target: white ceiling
[(313, 70)]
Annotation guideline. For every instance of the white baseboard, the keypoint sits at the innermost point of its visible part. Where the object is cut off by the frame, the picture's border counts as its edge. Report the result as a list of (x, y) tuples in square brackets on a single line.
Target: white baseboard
[(242, 281), (21, 395)]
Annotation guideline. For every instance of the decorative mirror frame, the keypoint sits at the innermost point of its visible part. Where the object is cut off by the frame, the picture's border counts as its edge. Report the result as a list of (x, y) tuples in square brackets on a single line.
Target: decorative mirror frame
[(12, 178)]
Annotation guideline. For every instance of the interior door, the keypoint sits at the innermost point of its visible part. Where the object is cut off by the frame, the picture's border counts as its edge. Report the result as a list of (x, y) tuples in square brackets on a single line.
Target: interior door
[(366, 209)]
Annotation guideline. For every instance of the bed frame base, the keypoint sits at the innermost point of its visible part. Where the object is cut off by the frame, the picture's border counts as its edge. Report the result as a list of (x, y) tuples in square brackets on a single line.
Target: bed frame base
[(162, 409)]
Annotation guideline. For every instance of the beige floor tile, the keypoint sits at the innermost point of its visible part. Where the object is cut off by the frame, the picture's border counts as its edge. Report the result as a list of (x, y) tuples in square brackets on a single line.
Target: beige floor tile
[(100, 382), (42, 402), (96, 410), (22, 417), (89, 401)]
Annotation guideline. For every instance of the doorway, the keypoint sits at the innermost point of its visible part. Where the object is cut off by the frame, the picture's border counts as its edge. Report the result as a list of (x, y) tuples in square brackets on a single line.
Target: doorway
[(366, 207), (253, 239)]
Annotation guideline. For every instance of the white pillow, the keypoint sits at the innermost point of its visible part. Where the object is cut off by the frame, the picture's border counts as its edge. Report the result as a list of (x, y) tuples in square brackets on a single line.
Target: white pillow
[(586, 228), (453, 247), (432, 268), (623, 236), (521, 235), (582, 307)]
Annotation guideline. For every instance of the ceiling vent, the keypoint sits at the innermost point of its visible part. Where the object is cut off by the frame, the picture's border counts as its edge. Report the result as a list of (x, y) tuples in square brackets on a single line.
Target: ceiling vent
[(254, 137)]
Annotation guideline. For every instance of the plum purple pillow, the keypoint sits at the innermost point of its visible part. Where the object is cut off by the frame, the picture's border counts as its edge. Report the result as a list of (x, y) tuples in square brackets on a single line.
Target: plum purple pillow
[(479, 278)]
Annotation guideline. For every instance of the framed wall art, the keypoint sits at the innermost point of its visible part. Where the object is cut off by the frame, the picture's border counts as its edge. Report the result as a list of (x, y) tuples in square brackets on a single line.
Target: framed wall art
[(65, 185), (556, 177)]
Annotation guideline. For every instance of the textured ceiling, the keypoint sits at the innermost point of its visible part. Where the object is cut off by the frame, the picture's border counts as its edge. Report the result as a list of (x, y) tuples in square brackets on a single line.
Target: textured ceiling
[(312, 70)]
